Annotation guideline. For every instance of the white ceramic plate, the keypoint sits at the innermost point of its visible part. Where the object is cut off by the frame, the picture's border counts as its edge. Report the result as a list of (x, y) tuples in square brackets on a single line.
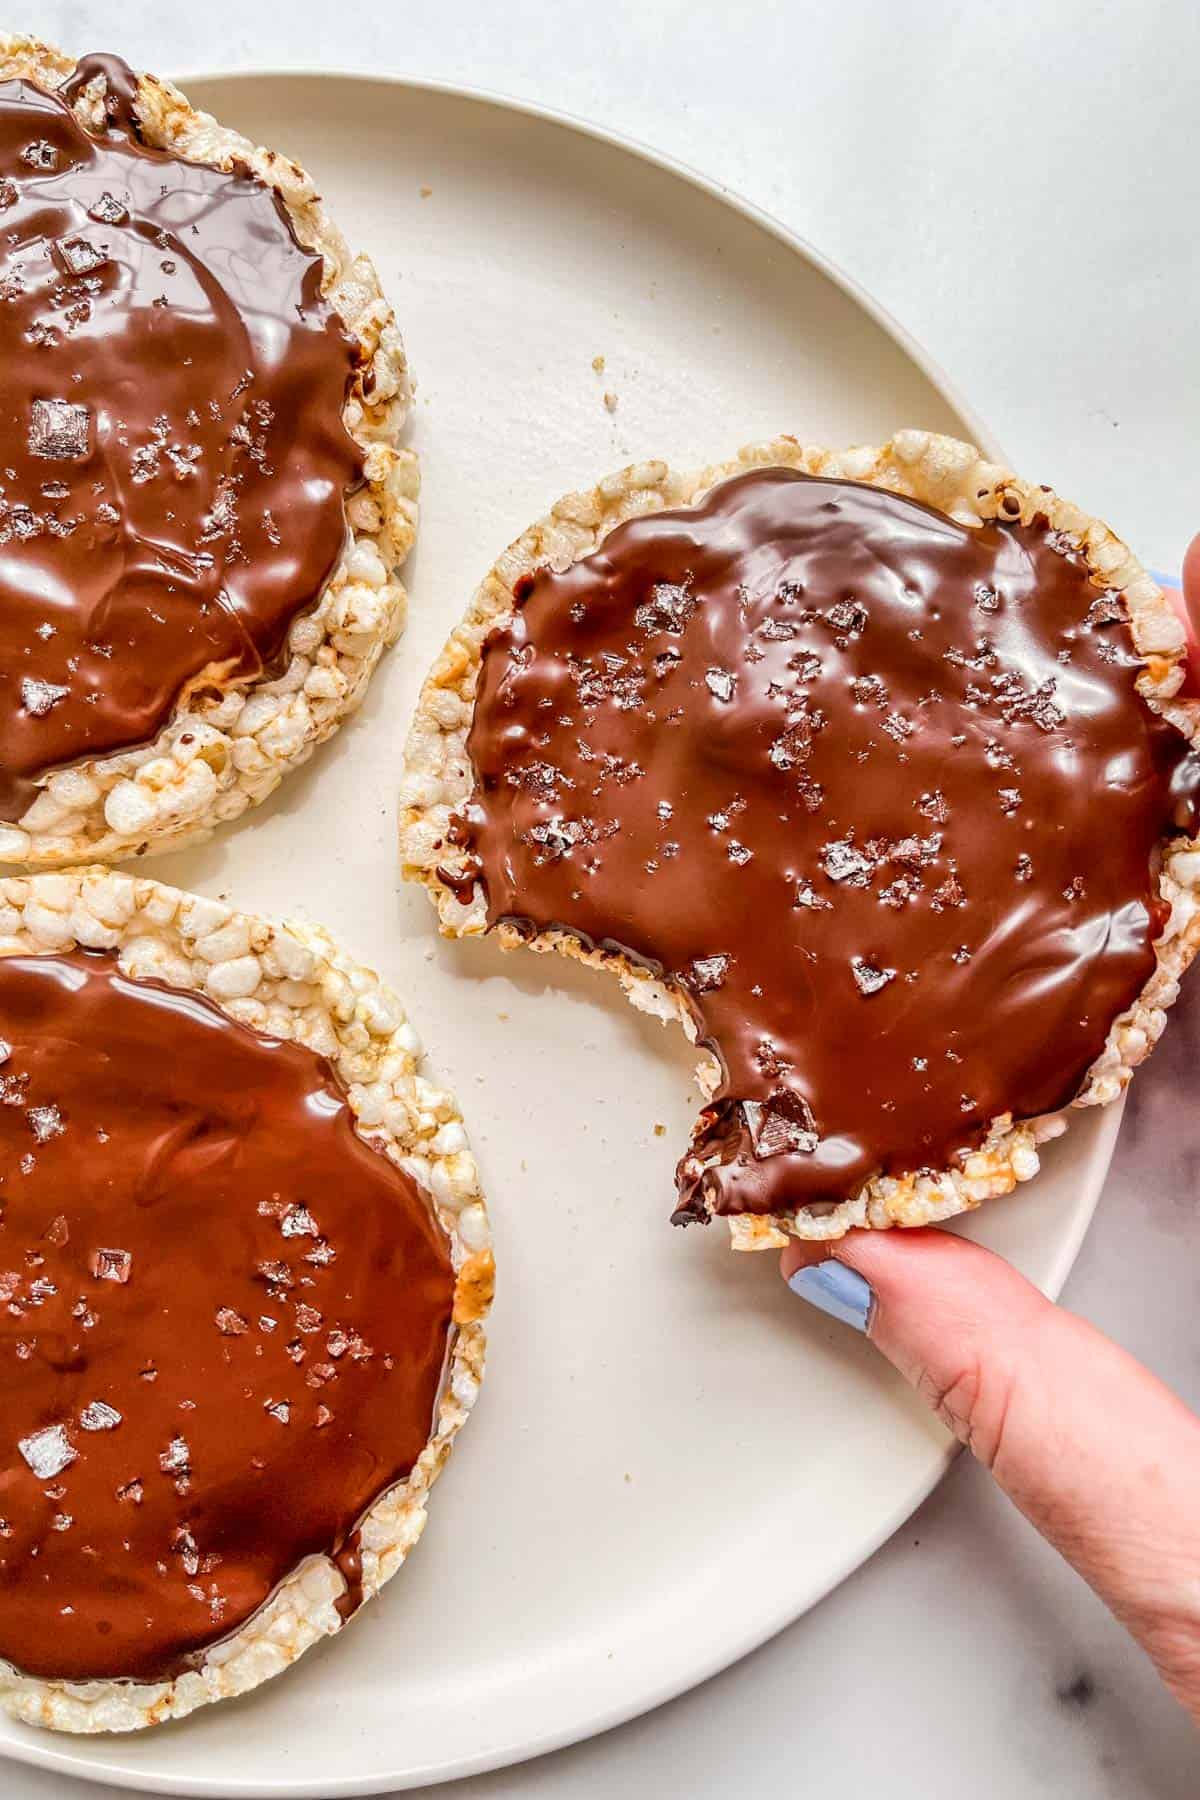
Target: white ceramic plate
[(671, 1460)]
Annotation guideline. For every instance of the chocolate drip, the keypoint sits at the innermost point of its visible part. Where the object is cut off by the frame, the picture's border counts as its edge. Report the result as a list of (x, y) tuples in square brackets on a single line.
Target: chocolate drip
[(224, 1321), (874, 790), (119, 90), (173, 459), (348, 1563)]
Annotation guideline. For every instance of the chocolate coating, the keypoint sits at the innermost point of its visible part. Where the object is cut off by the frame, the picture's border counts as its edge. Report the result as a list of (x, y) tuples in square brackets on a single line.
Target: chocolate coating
[(874, 790), (173, 459), (223, 1326)]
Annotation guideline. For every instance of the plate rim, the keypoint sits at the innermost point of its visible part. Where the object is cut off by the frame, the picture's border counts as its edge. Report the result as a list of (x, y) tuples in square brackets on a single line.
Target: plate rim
[(42, 1749)]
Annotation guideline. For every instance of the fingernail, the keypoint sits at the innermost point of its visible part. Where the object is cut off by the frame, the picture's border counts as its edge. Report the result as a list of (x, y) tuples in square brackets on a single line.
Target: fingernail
[(836, 1290), (1171, 581)]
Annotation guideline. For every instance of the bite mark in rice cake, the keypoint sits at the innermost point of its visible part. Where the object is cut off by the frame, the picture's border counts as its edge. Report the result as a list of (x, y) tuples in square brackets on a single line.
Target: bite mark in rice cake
[(229, 1330), (874, 792), (182, 375)]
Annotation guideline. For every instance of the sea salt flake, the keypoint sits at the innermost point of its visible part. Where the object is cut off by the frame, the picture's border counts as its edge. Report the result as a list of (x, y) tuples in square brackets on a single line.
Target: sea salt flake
[(38, 697), (781, 1125), (48, 1452), (132, 1493), (950, 893), (308, 1319), (555, 837), (706, 973), (869, 690), (842, 861), (1105, 610), (78, 257), (277, 1274), (57, 1231), (111, 1265), (98, 1415), (279, 1409), (720, 683), (184, 1546), (297, 1221), (986, 598), (322, 1417), (739, 854), (144, 464), (807, 896), (60, 431), (899, 892), (40, 155), (176, 1458), (669, 608), (1023, 868), (869, 978), (898, 727), (45, 1122), (108, 210), (848, 616), (230, 1323), (767, 1057)]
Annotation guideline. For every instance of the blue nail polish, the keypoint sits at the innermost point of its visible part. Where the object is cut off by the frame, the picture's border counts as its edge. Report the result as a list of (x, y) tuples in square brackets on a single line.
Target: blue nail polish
[(836, 1290), (1171, 581)]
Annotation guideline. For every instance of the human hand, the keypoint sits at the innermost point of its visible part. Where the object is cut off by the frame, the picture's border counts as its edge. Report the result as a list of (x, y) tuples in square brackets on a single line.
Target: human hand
[(1096, 1452)]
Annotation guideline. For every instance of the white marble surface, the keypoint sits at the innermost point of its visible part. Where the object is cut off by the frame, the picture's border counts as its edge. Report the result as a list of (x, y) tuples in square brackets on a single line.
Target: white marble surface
[(1014, 184)]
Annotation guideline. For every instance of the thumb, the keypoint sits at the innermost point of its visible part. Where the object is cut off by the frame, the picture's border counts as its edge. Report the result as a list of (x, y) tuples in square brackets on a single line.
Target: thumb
[(1096, 1452), (1184, 596)]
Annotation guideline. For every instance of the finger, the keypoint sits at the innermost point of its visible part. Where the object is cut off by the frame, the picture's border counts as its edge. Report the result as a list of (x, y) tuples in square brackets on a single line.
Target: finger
[(1191, 578), (1095, 1450), (1183, 592)]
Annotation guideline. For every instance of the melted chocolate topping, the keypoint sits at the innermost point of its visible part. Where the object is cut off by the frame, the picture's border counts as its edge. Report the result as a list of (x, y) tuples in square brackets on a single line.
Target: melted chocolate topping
[(119, 89), (874, 790), (223, 1321), (173, 461)]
